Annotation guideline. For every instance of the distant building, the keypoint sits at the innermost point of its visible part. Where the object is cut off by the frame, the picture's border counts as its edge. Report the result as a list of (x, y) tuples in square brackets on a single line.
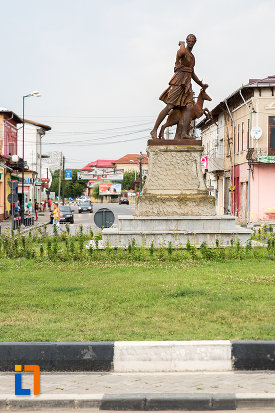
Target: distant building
[(99, 165), (239, 144), (130, 162)]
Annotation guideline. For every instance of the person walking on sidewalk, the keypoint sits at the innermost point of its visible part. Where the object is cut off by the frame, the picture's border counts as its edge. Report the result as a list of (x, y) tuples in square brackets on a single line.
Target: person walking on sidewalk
[(56, 216), (36, 208), (29, 206)]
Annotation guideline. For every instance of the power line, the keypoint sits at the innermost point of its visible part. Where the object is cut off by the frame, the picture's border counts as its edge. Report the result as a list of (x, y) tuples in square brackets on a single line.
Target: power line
[(77, 142)]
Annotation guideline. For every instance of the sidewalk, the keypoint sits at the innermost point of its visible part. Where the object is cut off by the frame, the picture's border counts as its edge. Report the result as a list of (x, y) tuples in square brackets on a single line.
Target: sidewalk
[(144, 391), (43, 218)]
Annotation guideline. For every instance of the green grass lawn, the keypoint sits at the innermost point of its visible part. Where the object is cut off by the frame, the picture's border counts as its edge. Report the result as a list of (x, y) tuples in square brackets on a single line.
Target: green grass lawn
[(189, 300)]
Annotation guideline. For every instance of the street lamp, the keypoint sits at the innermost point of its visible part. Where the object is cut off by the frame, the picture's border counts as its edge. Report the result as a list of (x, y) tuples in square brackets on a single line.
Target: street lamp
[(37, 95)]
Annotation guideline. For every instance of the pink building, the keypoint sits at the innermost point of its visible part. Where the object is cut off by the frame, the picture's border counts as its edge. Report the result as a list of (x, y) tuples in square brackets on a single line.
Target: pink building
[(239, 143)]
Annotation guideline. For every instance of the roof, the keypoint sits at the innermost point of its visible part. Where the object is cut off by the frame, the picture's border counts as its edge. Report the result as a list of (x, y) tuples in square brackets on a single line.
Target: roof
[(41, 125), (268, 81), (132, 158), (100, 163), (10, 113)]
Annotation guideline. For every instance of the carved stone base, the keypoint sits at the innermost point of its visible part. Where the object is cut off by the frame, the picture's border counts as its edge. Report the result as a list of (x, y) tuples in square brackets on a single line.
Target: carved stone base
[(175, 185), (175, 205)]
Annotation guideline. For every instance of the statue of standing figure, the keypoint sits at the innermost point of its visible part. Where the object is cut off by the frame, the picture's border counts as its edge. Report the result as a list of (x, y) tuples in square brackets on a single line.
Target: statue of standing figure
[(179, 95)]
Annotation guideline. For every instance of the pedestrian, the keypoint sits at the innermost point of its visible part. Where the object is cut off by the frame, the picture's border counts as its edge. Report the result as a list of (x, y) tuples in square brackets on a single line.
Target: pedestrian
[(17, 209), (29, 207), (49, 204), (36, 208), (56, 216), (44, 206)]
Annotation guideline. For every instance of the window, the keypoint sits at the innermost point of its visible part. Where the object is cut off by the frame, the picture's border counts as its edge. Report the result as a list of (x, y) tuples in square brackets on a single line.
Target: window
[(248, 127), (271, 135), (238, 143), (242, 134)]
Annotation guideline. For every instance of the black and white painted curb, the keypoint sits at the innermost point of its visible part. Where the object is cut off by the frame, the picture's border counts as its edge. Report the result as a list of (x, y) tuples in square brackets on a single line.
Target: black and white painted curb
[(140, 356), (141, 401)]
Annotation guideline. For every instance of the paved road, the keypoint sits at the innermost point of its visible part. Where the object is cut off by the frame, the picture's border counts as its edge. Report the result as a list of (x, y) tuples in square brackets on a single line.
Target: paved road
[(87, 219)]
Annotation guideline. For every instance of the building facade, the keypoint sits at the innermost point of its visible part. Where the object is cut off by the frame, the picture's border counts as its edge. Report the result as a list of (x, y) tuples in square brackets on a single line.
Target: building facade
[(33, 135), (131, 162), (239, 143)]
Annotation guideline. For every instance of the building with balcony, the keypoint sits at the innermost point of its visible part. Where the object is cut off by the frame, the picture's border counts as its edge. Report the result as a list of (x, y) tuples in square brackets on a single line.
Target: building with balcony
[(242, 131)]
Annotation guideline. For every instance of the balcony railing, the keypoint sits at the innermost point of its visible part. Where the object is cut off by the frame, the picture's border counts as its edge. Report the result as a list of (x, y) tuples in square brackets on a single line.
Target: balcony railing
[(253, 153)]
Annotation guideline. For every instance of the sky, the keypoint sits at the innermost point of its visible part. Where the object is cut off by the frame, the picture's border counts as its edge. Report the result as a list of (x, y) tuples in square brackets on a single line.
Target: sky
[(100, 66)]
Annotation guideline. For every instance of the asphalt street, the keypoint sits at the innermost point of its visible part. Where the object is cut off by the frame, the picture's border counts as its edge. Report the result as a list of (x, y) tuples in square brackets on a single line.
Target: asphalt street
[(86, 219)]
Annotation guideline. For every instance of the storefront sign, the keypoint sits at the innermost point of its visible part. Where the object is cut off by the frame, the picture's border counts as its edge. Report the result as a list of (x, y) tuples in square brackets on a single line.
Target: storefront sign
[(266, 159)]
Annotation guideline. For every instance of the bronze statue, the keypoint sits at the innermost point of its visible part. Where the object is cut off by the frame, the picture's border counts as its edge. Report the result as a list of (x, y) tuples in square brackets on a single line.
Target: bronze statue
[(179, 94)]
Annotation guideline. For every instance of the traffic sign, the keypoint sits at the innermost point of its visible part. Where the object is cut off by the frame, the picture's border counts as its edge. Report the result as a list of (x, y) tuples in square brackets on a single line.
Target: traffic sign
[(13, 184), (68, 174), (104, 218), (12, 198)]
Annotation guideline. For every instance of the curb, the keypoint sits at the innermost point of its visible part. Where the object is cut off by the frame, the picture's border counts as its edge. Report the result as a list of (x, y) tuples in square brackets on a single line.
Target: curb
[(142, 401), (140, 356)]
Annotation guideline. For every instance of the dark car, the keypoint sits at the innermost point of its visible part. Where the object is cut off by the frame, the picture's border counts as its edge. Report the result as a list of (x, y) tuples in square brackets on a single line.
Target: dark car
[(85, 206), (124, 200), (66, 214)]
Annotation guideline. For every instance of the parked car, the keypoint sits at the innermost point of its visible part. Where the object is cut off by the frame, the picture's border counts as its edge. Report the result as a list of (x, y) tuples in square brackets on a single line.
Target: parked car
[(66, 214), (85, 206), (124, 200), (82, 199)]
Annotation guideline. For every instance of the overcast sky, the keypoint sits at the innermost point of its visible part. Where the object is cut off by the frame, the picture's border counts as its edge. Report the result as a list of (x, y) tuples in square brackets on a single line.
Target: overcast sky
[(101, 65)]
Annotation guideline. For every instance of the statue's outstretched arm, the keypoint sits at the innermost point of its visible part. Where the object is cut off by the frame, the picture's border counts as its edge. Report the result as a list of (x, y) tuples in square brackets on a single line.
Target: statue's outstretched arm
[(198, 81), (181, 51)]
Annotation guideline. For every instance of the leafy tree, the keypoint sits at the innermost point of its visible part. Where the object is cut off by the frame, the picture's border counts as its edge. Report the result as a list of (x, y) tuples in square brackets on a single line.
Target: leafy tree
[(73, 188), (95, 193), (129, 180)]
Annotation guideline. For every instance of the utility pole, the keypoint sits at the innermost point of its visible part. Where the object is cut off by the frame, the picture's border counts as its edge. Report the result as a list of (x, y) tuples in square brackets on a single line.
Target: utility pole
[(63, 176), (140, 170), (59, 183)]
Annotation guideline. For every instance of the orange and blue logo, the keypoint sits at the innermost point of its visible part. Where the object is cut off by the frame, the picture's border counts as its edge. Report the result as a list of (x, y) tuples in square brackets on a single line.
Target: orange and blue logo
[(18, 380)]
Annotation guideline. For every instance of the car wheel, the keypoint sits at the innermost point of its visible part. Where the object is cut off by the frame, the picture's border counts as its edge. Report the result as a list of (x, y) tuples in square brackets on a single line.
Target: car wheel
[(72, 221), (79, 212)]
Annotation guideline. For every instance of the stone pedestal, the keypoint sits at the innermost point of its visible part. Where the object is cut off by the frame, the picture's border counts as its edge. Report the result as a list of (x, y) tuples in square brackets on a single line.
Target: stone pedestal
[(175, 185), (174, 207)]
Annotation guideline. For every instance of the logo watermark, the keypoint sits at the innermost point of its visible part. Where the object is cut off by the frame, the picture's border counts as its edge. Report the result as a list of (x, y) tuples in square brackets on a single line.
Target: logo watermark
[(18, 380)]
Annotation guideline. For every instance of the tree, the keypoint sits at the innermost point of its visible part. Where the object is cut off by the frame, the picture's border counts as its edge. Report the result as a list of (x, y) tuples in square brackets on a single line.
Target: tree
[(95, 193), (73, 188), (128, 180)]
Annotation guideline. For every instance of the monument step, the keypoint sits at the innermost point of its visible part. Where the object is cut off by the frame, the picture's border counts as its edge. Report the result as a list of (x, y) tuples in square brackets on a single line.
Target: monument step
[(177, 239), (180, 223)]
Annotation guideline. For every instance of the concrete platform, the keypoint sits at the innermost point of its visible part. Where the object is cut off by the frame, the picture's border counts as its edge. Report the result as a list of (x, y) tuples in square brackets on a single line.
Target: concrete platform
[(177, 230)]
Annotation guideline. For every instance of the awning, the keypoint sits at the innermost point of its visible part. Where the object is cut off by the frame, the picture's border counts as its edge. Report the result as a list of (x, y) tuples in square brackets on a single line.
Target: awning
[(16, 178)]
